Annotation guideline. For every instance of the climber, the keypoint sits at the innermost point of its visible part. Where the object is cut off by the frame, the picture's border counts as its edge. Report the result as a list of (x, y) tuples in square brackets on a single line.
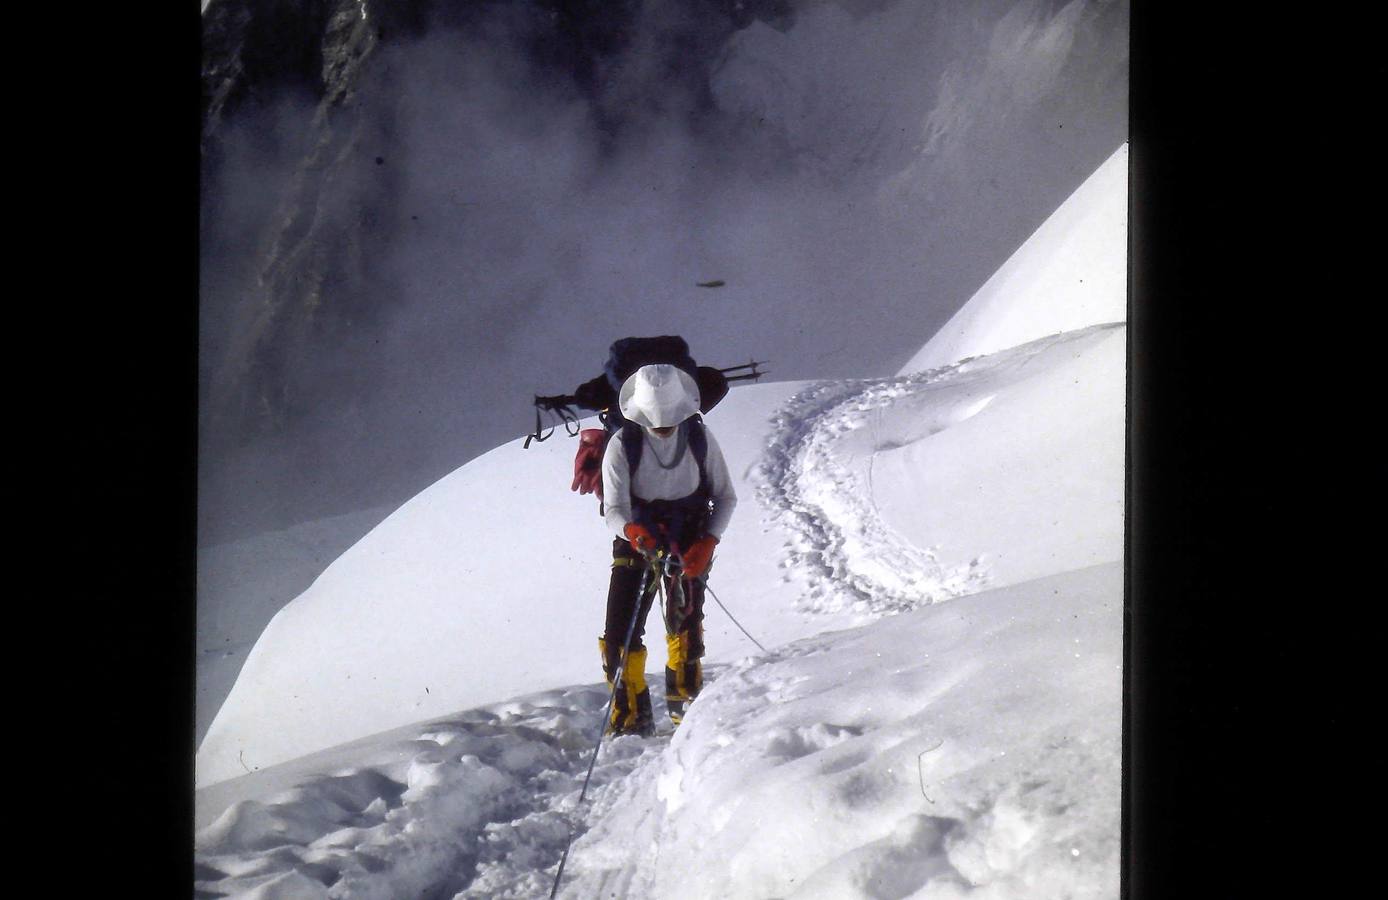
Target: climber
[(666, 493)]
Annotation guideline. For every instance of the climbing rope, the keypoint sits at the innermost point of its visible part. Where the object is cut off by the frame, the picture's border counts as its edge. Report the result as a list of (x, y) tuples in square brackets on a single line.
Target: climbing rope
[(704, 582)]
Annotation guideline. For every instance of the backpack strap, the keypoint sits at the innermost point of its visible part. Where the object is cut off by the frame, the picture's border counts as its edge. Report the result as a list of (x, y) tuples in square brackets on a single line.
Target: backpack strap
[(633, 442), (698, 443)]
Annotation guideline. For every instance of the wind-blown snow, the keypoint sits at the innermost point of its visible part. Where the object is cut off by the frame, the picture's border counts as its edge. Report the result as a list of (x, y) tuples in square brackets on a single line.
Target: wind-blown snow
[(933, 561)]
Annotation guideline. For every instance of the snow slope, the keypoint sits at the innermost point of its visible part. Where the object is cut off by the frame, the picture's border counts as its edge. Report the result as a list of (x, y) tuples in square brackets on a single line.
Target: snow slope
[(243, 583), (419, 721), (451, 602), (1072, 272), (965, 749), (969, 749), (448, 604), (488, 585)]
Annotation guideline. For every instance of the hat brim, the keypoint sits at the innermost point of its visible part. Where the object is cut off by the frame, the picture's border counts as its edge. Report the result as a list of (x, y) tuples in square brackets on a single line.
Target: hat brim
[(686, 406)]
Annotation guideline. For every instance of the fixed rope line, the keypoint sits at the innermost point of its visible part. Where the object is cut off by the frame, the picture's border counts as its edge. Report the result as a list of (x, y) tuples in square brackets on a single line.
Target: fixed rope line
[(704, 582)]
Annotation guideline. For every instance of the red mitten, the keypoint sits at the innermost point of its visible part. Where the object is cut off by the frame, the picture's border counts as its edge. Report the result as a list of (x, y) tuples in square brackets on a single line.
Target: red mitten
[(697, 557), (639, 537), (588, 462)]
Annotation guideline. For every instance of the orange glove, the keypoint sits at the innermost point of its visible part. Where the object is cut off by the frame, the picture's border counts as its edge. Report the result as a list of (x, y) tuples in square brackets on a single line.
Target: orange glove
[(588, 462), (639, 537), (697, 557)]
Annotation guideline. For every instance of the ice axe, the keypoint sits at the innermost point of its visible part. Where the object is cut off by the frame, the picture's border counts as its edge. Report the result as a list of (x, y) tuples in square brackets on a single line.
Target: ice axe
[(752, 375)]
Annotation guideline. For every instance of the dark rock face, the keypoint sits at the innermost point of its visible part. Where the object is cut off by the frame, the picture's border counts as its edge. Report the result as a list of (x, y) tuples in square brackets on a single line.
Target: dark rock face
[(258, 49), (409, 208)]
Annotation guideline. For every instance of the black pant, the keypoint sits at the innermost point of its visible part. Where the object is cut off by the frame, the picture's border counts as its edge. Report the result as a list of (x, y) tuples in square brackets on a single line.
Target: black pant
[(627, 569)]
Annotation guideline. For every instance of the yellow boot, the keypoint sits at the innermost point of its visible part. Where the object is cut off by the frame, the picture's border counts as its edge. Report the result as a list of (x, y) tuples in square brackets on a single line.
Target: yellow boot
[(683, 676), (631, 707)]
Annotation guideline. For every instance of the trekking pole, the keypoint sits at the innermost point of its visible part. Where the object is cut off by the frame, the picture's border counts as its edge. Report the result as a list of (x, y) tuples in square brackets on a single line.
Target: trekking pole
[(607, 711)]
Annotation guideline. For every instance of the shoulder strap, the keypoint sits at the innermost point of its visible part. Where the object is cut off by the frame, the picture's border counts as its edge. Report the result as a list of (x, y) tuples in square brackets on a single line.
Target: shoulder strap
[(698, 442), (632, 443)]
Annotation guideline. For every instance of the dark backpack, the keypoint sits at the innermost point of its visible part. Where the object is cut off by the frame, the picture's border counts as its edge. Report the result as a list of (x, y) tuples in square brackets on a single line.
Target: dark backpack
[(627, 355)]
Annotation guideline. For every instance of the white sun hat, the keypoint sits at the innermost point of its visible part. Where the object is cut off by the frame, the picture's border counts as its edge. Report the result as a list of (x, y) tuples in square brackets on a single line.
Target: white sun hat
[(659, 396)]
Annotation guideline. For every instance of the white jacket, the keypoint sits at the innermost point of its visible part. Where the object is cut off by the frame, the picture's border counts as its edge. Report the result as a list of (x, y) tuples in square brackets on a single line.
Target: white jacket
[(652, 482)]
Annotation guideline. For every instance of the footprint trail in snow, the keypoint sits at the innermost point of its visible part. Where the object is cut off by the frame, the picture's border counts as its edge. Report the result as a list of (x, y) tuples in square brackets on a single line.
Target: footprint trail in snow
[(815, 477)]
